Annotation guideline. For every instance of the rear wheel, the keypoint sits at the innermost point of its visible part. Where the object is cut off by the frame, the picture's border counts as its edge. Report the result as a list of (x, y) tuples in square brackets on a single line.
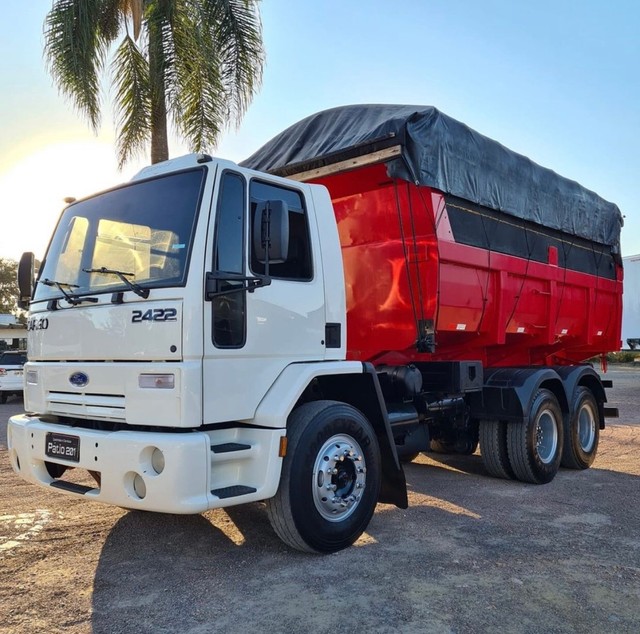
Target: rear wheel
[(535, 447), (581, 431), (493, 448), (330, 478)]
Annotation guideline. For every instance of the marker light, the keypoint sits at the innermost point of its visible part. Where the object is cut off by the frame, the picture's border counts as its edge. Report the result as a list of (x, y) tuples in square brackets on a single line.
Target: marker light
[(157, 381), (32, 377)]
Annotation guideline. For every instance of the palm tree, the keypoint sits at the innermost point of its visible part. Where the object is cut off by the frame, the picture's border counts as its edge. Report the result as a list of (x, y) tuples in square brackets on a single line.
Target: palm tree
[(195, 62)]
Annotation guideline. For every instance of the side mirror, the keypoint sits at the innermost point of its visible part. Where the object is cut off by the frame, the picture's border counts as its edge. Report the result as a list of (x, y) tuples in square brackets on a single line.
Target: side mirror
[(271, 232), (26, 275)]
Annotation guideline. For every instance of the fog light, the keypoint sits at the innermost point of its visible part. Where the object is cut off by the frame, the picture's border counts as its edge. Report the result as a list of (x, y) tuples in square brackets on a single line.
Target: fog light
[(139, 486), (157, 461), (158, 381), (32, 377)]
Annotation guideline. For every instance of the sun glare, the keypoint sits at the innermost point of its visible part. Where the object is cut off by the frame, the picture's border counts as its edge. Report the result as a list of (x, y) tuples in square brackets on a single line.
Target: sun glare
[(34, 188)]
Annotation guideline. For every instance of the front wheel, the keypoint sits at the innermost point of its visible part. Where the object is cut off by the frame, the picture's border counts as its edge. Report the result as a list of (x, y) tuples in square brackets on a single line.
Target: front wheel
[(581, 431), (535, 447), (330, 478)]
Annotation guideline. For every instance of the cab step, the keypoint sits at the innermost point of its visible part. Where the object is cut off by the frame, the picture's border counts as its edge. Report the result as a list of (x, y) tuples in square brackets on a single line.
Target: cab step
[(228, 447), (71, 486), (233, 491)]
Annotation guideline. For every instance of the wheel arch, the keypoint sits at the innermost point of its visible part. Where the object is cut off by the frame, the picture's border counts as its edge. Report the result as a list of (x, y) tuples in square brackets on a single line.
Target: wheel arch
[(349, 382), (555, 386), (508, 393), (574, 377)]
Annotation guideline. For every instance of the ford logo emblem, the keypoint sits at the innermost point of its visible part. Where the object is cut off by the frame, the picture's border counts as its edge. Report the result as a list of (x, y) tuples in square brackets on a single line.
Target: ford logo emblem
[(78, 379)]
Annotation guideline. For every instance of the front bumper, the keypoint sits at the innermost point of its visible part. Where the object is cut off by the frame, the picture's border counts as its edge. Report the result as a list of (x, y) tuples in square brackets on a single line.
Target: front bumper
[(197, 471)]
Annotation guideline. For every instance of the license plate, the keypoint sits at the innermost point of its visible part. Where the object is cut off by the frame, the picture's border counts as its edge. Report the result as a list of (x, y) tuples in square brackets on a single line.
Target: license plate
[(62, 446)]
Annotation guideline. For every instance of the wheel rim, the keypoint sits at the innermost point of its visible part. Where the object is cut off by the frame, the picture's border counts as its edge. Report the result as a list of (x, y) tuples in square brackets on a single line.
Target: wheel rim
[(546, 436), (586, 427), (339, 478)]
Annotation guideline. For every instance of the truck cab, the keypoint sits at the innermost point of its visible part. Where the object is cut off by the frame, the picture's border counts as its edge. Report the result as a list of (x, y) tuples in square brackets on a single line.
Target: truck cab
[(162, 324)]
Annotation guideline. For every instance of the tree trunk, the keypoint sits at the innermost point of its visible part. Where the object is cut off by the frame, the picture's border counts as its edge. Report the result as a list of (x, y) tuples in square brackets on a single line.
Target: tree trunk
[(159, 140), (159, 137)]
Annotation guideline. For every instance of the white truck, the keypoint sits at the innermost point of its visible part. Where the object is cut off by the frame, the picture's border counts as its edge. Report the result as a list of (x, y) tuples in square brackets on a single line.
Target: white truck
[(174, 393), (631, 302)]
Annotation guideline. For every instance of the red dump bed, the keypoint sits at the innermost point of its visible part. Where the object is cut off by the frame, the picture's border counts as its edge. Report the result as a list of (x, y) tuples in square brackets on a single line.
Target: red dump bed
[(454, 246), (515, 293)]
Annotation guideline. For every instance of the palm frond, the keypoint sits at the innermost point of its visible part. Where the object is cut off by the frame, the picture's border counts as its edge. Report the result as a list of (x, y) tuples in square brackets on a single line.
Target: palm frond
[(158, 16), (237, 30), (75, 51), (130, 70), (200, 59), (111, 19), (197, 95)]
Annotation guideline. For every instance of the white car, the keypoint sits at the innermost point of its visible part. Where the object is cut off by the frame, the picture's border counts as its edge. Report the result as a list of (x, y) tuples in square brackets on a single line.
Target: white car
[(11, 373)]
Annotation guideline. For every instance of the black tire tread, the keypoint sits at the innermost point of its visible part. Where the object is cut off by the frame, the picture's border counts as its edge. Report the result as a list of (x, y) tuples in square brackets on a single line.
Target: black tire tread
[(572, 456), (280, 510), (279, 506), (493, 448), (517, 444)]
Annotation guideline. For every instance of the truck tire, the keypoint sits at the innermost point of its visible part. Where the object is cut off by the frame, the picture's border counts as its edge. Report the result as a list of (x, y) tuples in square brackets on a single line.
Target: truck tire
[(535, 447), (581, 431), (330, 478), (493, 448)]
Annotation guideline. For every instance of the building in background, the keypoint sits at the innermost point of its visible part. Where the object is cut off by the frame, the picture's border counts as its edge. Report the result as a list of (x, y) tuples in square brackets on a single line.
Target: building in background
[(12, 333), (631, 303)]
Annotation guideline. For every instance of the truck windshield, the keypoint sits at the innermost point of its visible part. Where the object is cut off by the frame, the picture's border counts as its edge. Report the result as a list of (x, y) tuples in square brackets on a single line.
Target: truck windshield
[(143, 229)]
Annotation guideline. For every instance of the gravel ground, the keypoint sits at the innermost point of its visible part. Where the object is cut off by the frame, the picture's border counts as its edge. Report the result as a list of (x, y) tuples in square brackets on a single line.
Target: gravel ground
[(471, 554)]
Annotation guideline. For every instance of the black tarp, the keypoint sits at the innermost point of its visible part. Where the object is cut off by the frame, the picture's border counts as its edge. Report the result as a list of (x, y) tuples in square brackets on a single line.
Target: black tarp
[(440, 152)]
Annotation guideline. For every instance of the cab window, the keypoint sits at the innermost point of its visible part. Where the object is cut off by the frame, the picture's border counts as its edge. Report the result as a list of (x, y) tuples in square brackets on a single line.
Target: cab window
[(298, 265)]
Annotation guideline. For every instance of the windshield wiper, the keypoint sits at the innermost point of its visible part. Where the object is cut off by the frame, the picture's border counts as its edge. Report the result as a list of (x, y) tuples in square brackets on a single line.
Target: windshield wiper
[(138, 290), (74, 300)]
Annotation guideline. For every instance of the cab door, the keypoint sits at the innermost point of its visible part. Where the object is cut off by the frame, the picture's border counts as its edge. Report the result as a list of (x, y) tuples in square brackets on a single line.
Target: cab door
[(252, 330)]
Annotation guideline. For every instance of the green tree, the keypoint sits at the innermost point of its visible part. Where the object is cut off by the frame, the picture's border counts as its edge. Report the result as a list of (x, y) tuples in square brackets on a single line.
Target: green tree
[(8, 287), (197, 63)]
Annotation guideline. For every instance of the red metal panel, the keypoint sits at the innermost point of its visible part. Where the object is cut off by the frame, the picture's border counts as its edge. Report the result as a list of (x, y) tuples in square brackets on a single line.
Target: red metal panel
[(402, 266)]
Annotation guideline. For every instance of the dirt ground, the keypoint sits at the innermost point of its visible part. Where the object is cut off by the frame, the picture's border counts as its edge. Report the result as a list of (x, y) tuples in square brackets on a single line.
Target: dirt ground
[(471, 554)]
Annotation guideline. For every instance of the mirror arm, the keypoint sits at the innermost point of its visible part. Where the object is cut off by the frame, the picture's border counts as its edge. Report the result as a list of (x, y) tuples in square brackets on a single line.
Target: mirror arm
[(248, 284)]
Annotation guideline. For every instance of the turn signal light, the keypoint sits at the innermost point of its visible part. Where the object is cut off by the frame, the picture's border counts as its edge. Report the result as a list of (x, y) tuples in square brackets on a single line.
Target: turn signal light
[(157, 381)]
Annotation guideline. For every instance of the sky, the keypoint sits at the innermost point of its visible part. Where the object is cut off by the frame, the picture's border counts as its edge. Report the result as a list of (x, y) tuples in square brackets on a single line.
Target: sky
[(555, 80)]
